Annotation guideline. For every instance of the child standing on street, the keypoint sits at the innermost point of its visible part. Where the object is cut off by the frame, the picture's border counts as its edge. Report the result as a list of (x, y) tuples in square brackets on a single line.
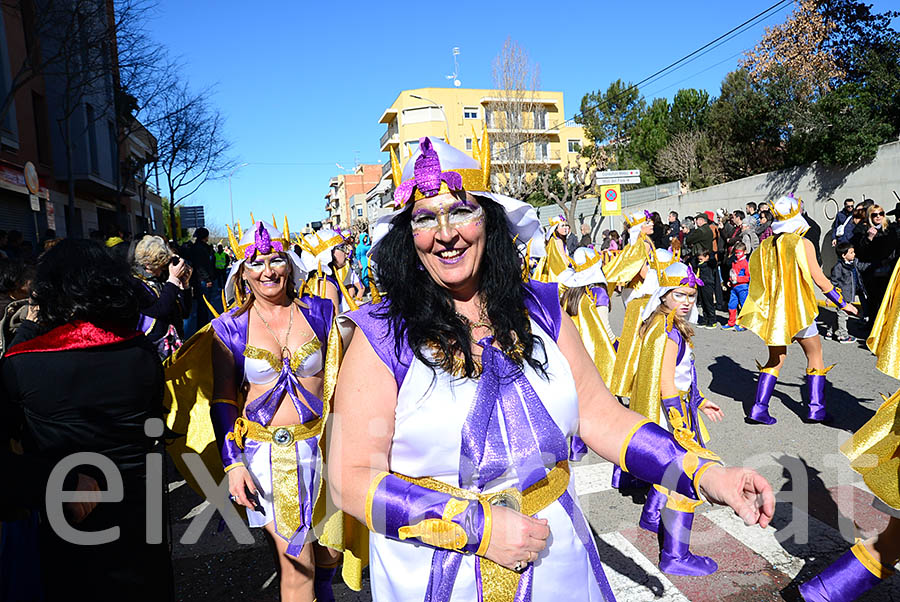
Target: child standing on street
[(739, 277), (707, 273), (845, 277)]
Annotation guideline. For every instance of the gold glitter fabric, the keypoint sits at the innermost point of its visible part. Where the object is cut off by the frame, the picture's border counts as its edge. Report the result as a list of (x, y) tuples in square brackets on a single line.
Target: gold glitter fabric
[(595, 337), (781, 301), (885, 338), (627, 356), (644, 394), (498, 583), (873, 452), (302, 352), (628, 263)]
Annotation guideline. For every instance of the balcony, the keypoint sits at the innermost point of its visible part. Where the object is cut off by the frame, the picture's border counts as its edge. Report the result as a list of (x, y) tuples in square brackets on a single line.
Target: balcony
[(498, 157), (389, 138)]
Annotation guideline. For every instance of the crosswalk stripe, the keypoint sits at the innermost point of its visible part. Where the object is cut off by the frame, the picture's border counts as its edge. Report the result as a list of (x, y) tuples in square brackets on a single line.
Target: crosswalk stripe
[(652, 586), (592, 478)]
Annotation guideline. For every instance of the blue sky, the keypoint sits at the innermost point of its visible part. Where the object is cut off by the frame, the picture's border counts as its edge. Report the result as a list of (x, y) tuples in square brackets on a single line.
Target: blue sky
[(305, 83)]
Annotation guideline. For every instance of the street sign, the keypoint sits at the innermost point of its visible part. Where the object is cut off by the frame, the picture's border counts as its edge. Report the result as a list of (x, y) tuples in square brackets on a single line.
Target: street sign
[(35, 202), (610, 200), (606, 181), (613, 173), (192, 217), (31, 178)]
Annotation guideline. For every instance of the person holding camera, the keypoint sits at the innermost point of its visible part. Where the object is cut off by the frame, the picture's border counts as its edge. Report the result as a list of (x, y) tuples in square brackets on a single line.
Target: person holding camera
[(163, 303)]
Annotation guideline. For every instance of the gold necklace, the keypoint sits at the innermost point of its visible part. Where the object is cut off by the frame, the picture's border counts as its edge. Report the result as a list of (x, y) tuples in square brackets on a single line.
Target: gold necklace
[(285, 352)]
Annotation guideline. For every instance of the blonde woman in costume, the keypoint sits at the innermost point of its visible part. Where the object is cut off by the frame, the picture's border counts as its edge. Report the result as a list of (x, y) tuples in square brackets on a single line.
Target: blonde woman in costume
[(556, 260), (873, 452), (458, 460), (781, 307), (665, 390), (274, 359), (327, 251), (585, 298)]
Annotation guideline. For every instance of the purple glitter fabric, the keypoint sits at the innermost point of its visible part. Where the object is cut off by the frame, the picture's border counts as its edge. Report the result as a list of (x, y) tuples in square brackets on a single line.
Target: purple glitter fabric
[(262, 243), (427, 176), (691, 279)]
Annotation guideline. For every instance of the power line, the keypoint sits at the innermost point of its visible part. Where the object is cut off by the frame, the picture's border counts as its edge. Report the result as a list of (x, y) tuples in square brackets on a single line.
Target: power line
[(709, 46)]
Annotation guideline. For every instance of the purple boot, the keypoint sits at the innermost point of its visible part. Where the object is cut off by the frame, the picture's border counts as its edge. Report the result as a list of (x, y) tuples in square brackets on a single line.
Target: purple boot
[(652, 508), (322, 583), (676, 557), (815, 383), (765, 386), (848, 578)]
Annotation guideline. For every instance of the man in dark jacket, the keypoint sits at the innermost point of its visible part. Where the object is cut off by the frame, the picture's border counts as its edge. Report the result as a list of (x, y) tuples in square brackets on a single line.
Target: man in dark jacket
[(202, 258), (674, 226), (700, 237), (841, 218)]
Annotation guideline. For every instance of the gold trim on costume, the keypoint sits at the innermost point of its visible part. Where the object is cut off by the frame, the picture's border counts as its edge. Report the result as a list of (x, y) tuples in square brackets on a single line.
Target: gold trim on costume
[(817, 372), (699, 475), (783, 217), (866, 559), (230, 402), (233, 466), (679, 503), (588, 264)]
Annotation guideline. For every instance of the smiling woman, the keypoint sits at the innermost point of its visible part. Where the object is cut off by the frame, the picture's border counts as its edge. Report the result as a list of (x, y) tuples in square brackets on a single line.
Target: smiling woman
[(460, 399)]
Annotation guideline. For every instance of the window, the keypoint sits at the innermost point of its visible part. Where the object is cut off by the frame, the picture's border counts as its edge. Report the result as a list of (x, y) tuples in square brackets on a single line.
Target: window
[(541, 151), (92, 138), (489, 118), (540, 119), (359, 212), (513, 119), (574, 145), (470, 112), (468, 144)]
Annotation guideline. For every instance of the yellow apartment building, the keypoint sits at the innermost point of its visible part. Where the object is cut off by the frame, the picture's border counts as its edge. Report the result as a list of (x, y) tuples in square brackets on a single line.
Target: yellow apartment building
[(525, 129)]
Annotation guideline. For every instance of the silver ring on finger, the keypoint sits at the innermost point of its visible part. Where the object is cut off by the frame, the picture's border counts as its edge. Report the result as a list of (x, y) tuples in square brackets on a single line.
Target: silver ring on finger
[(233, 498)]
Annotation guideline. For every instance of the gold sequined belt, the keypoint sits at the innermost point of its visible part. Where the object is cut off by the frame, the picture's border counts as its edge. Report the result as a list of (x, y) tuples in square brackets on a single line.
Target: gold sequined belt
[(498, 583), (285, 470)]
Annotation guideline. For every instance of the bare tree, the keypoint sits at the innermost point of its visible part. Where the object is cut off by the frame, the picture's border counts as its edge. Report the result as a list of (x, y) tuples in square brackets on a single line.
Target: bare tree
[(679, 159), (193, 148), (573, 182), (513, 118)]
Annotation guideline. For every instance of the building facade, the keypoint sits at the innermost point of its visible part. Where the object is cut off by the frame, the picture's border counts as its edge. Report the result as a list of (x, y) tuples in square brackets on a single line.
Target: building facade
[(528, 130), (345, 201), (69, 132)]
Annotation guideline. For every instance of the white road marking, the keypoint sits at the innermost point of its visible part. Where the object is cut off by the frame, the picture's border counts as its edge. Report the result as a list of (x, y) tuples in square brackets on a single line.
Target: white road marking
[(649, 586), (175, 485), (196, 510)]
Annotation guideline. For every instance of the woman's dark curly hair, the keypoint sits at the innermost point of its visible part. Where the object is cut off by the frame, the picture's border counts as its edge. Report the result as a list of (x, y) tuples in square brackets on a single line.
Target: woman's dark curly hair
[(423, 313), (81, 280)]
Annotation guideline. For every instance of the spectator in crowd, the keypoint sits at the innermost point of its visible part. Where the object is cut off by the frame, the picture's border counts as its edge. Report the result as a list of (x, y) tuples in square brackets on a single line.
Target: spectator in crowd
[(745, 232), (201, 256), (604, 243), (878, 248), (615, 242), (856, 227), (674, 228), (16, 278), (841, 219), (222, 259), (764, 207), (701, 237), (845, 276), (4, 241), (752, 214), (115, 242), (764, 230), (660, 236), (739, 282), (586, 238), (105, 397), (164, 304), (707, 273)]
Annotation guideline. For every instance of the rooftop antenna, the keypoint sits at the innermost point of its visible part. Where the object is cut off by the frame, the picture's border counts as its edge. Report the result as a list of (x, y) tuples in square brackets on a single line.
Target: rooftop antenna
[(455, 75)]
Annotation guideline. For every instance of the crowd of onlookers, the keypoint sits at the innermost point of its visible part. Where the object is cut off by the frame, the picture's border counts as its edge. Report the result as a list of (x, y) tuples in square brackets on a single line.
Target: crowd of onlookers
[(718, 245)]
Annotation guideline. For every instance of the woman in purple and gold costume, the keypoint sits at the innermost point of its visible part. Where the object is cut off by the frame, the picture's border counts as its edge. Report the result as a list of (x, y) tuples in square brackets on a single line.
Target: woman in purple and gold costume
[(781, 307), (275, 357), (665, 390), (457, 398), (873, 452), (328, 250), (553, 264)]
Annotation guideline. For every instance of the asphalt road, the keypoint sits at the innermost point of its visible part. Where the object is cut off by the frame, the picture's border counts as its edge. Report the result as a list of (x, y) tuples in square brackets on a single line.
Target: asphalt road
[(822, 504)]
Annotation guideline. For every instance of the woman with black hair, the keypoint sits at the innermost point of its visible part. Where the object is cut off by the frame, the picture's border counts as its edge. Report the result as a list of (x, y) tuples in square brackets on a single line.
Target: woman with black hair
[(84, 380), (459, 397)]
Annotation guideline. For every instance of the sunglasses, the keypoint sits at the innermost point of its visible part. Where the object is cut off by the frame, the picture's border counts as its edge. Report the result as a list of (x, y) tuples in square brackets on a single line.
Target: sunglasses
[(878, 214)]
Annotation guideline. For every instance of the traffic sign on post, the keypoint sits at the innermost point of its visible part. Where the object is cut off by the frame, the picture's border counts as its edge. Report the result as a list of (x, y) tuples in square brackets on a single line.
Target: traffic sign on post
[(619, 173), (605, 181), (610, 200)]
